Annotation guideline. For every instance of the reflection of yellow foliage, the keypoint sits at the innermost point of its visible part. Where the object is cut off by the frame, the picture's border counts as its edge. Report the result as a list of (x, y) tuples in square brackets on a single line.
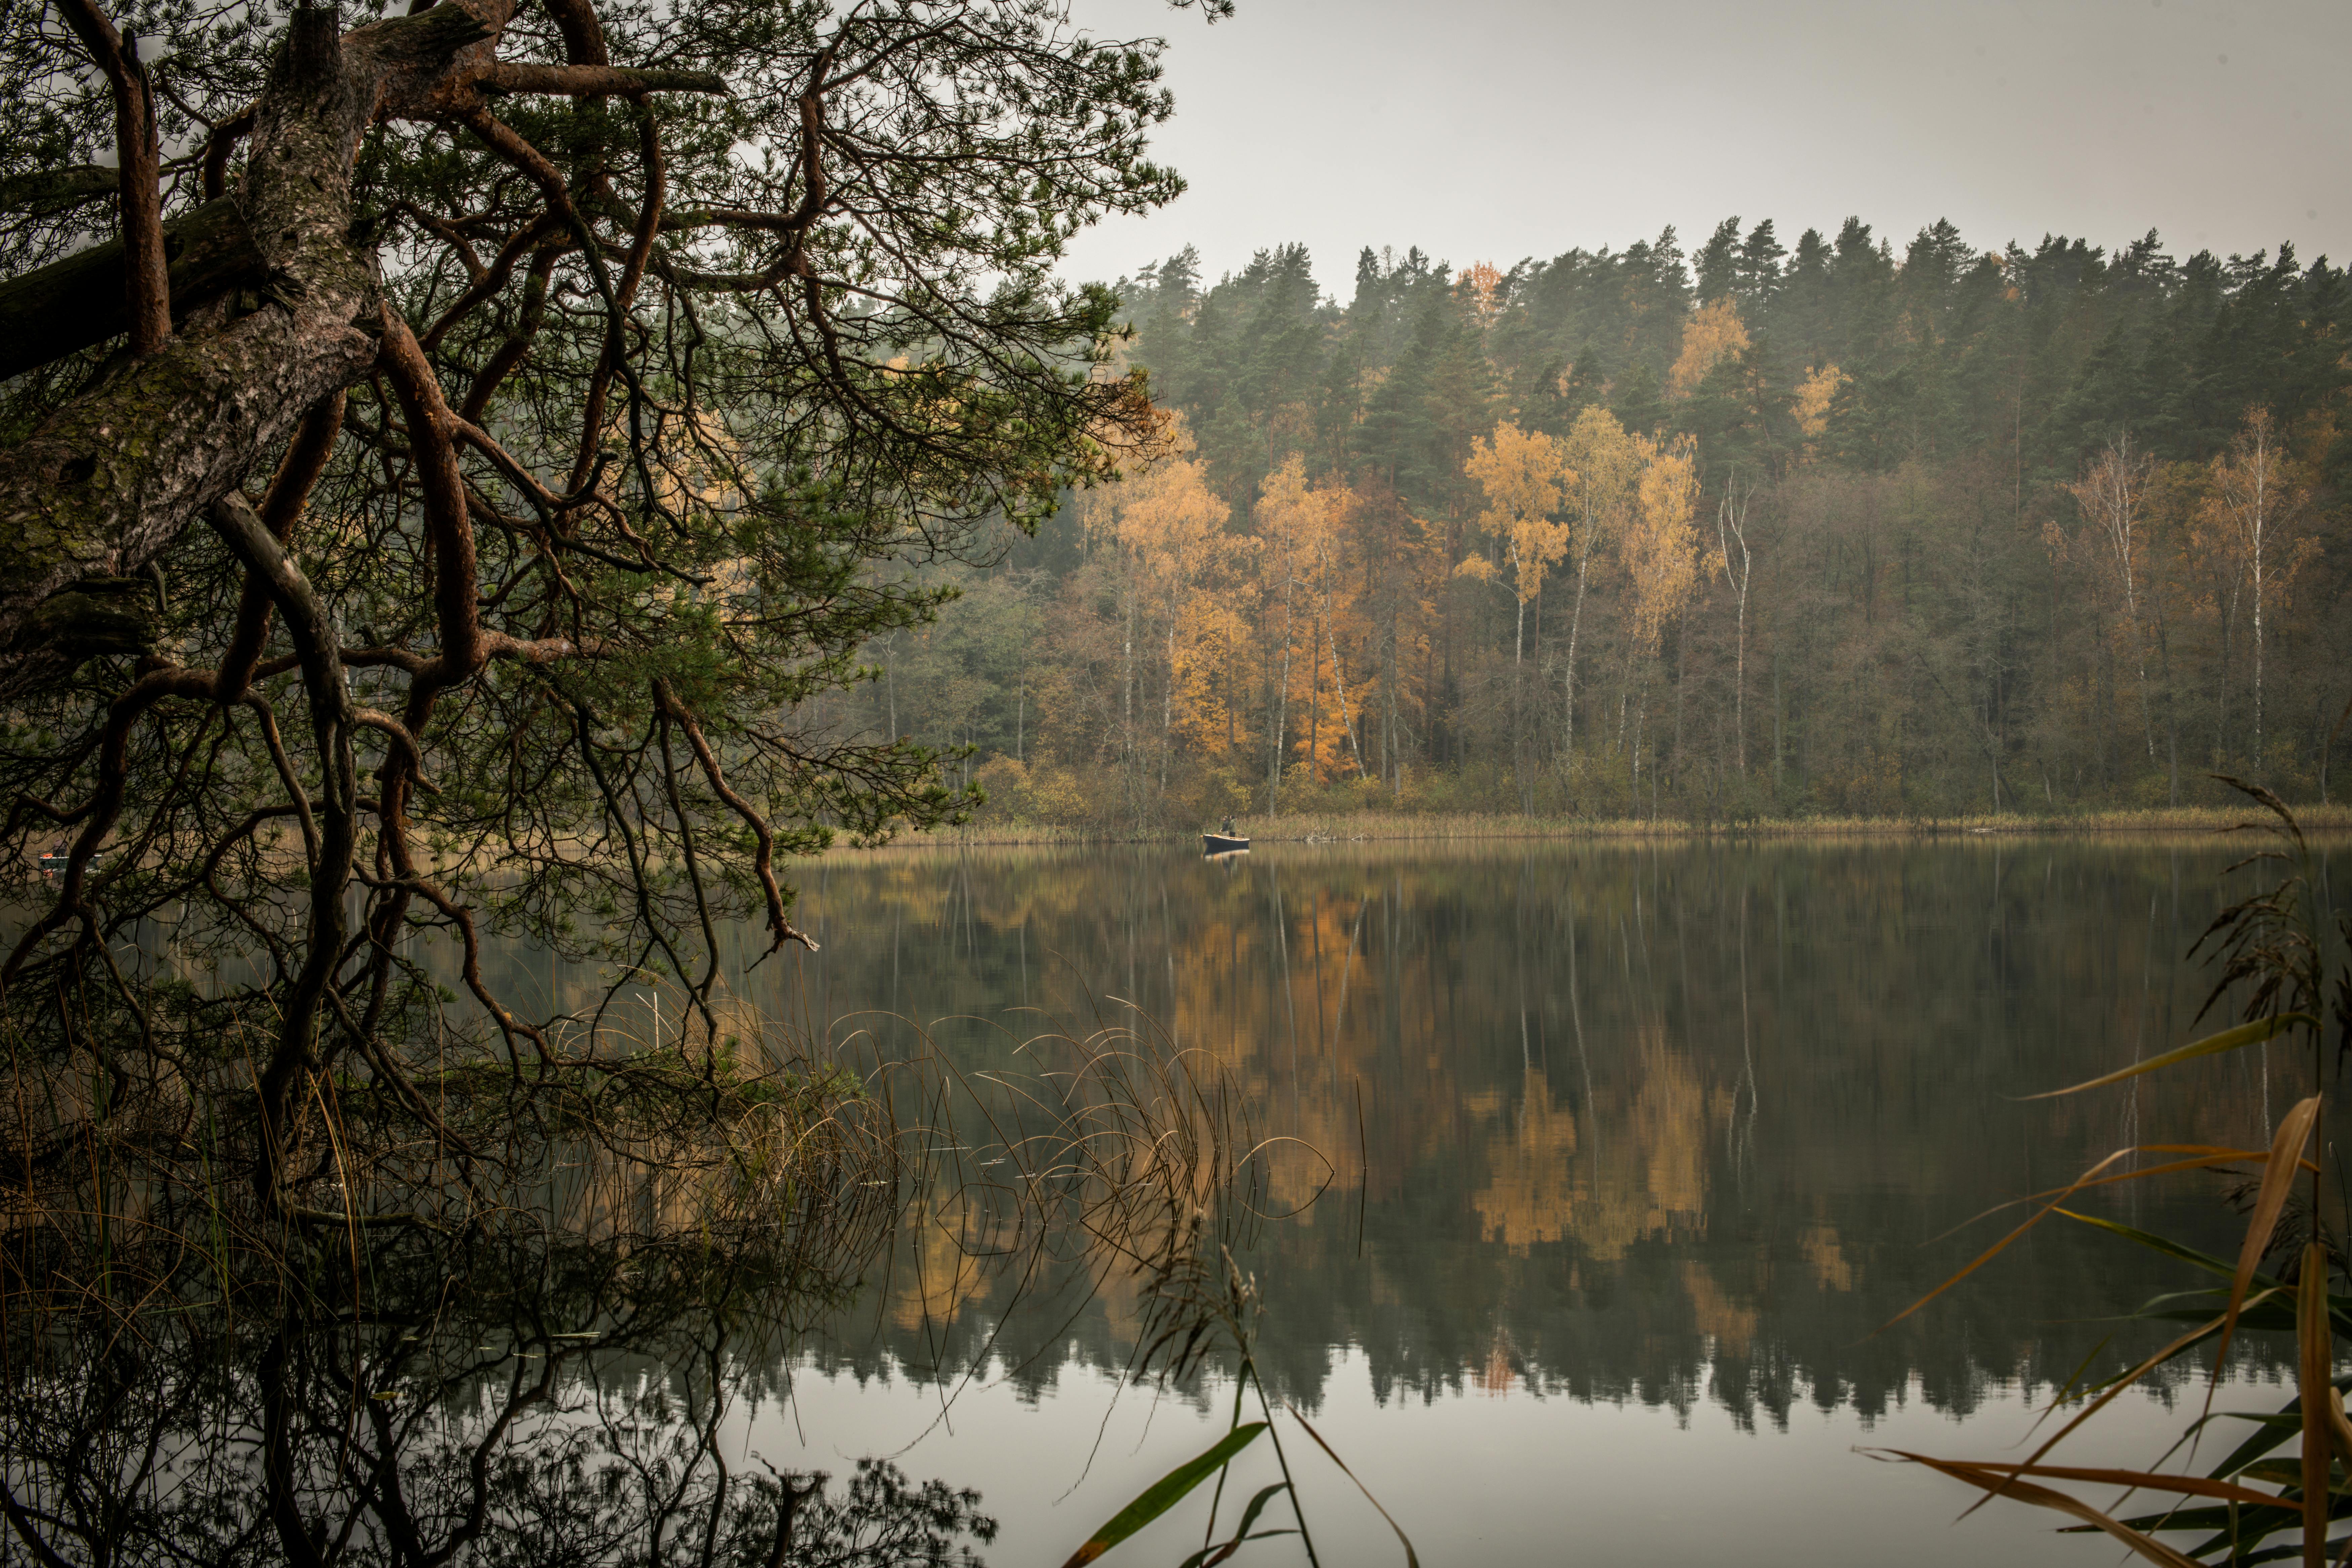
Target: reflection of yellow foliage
[(1715, 334), (1529, 1196), (1652, 1179), (1496, 1377), (1821, 1250), (1645, 1176), (1712, 1313), (943, 1272)]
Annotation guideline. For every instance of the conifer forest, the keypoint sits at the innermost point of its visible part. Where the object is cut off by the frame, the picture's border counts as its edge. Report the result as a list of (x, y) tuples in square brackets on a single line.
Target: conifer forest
[(1852, 526)]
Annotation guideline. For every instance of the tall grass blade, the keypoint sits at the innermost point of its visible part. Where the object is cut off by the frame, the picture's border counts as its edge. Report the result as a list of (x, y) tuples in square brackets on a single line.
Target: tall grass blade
[(2318, 1398), (2251, 1034), (2170, 1248), (2087, 1178), (2338, 1425), (1999, 1481), (1210, 1556), (2107, 1395), (1412, 1561), (2203, 1157), (2275, 1430), (1165, 1493), (2138, 1481), (2278, 1179)]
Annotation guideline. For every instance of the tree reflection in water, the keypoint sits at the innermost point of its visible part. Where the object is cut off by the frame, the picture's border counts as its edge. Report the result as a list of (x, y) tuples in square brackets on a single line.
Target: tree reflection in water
[(538, 1348)]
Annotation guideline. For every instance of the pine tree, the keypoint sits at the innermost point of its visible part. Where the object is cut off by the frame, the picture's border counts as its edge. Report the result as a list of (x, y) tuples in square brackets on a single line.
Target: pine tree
[(1718, 263), (1760, 269)]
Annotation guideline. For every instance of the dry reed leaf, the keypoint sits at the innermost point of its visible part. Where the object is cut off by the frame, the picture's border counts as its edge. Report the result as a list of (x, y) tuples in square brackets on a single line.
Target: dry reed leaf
[(1989, 1253), (2206, 1157), (2107, 1395), (2318, 1391), (1996, 1481), (2278, 1178), (2138, 1480), (2338, 1425)]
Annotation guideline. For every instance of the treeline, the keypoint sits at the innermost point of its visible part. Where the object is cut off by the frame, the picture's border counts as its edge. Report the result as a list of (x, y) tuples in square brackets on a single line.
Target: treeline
[(1759, 531)]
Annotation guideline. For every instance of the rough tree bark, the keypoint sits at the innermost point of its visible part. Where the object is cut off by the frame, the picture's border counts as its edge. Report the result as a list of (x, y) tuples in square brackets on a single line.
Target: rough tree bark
[(114, 476)]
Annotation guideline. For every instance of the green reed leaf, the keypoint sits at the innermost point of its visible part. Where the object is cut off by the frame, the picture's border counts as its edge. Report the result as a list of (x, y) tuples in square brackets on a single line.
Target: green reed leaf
[(1208, 1556), (2251, 1034), (1165, 1493)]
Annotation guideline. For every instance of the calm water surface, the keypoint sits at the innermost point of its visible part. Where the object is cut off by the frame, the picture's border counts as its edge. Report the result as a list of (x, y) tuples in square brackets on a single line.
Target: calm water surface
[(1613, 1161)]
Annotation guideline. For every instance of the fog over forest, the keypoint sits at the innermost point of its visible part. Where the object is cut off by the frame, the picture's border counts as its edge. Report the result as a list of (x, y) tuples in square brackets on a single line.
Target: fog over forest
[(1764, 525)]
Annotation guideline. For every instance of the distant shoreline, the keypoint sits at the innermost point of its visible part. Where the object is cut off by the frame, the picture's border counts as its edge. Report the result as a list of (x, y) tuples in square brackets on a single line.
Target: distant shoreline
[(1315, 829)]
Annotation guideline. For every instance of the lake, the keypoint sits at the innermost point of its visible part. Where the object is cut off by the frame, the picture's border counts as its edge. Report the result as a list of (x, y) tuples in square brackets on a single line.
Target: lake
[(1611, 1165)]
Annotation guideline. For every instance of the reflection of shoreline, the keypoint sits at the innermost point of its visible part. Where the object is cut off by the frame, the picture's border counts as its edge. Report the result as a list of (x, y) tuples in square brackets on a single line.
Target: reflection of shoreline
[(1682, 1324), (1677, 1125), (1472, 1478), (2182, 826)]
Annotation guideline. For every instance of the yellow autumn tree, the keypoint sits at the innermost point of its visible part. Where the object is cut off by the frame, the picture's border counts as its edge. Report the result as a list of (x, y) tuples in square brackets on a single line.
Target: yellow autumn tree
[(1714, 334), (1660, 552), (1482, 287), (1816, 390), (1601, 466), (1163, 531), (1300, 535), (1660, 548), (1521, 472)]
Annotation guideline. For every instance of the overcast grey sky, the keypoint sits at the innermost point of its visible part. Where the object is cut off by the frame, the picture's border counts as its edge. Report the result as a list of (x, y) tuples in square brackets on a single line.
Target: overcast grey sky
[(1492, 130)]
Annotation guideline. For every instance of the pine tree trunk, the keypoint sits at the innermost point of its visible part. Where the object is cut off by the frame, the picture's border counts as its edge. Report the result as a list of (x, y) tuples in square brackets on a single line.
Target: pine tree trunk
[(180, 427)]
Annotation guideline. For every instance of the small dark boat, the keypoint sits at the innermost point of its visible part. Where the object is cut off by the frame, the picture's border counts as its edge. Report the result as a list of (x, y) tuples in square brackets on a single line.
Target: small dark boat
[(1223, 843)]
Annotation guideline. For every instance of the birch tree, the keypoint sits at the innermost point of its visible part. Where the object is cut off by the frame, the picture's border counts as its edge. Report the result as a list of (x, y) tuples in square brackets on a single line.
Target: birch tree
[(2111, 494), (1738, 568), (1165, 531), (2253, 498), (1660, 552), (1297, 525), (1520, 472), (1601, 468)]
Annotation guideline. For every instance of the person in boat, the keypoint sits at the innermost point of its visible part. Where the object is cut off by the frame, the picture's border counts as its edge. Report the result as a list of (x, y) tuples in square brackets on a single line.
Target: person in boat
[(1227, 830)]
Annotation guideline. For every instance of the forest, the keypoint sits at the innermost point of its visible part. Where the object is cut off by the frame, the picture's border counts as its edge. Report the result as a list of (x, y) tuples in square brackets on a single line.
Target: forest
[(1752, 531)]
